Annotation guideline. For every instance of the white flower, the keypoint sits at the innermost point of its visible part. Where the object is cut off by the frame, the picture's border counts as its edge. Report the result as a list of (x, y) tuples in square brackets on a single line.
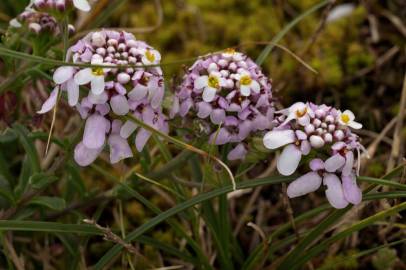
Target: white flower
[(230, 53), (15, 23), (94, 76), (210, 84), (247, 84), (82, 5), (299, 111), (347, 119), (150, 57)]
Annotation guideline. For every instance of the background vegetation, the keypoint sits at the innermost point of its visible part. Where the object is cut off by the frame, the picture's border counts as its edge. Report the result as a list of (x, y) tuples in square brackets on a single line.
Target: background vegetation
[(360, 60)]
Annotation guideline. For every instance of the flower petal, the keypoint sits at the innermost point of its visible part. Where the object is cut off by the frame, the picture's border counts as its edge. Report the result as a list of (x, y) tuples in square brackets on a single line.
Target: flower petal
[(217, 116), (138, 92), (204, 109), (277, 138), (85, 156), (334, 191), (209, 94), (73, 92), (127, 129), (289, 159), (119, 148), (50, 102), (63, 74), (82, 5), (352, 192), (305, 184), (201, 82), (238, 152), (245, 90), (316, 164), (119, 105), (355, 125), (97, 85), (334, 163), (255, 86), (83, 76), (349, 163), (95, 131), (141, 139)]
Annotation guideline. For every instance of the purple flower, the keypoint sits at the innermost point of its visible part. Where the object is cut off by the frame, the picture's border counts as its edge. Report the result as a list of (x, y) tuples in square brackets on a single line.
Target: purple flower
[(226, 89), (112, 91), (306, 126)]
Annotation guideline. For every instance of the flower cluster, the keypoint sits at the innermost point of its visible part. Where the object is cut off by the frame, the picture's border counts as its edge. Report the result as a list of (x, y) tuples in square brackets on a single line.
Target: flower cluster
[(228, 90), (306, 126), (118, 82), (38, 22), (61, 5)]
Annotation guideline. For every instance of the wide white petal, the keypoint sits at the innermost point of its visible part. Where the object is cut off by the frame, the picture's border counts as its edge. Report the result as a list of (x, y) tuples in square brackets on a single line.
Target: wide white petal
[(350, 114), (305, 184), (97, 85), (277, 138), (201, 82), (82, 5), (209, 94), (289, 160), (355, 125), (94, 134), (63, 74), (83, 76), (245, 90)]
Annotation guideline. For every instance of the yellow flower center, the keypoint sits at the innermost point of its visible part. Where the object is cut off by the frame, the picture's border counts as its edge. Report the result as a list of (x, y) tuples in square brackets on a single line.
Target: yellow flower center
[(213, 82), (245, 80), (97, 71), (150, 56), (230, 50), (345, 118), (301, 113)]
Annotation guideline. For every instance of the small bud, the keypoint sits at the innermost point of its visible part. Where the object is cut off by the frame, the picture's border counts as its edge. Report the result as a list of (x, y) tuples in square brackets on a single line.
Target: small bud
[(101, 51), (112, 42), (122, 47), (35, 27), (212, 67), (123, 78), (316, 122), (98, 39), (242, 64), (131, 43), (309, 129), (232, 67), (329, 119), (339, 135), (316, 141), (331, 128), (223, 63), (328, 138)]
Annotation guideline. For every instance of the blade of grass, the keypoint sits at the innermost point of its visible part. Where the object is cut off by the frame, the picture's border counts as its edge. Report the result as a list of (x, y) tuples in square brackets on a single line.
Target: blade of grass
[(183, 206), (42, 226), (264, 54), (301, 260)]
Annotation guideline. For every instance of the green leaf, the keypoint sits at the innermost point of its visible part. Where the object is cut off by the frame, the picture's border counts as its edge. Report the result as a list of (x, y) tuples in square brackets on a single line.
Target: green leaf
[(54, 203), (41, 180), (185, 205), (301, 260), (51, 227), (264, 54), (28, 145)]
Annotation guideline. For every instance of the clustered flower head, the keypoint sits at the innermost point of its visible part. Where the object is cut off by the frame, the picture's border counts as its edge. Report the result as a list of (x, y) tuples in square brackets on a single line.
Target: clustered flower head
[(61, 5), (306, 126), (38, 22), (228, 90), (117, 82)]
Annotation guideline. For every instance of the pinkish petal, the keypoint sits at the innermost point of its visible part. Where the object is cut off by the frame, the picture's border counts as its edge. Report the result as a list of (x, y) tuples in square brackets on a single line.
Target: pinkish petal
[(95, 131), (289, 159), (349, 163), (85, 156), (305, 184), (334, 191), (49, 104), (63, 74), (141, 139), (204, 109), (119, 105), (316, 164), (352, 192), (73, 92), (334, 163), (238, 152), (217, 116), (119, 148)]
